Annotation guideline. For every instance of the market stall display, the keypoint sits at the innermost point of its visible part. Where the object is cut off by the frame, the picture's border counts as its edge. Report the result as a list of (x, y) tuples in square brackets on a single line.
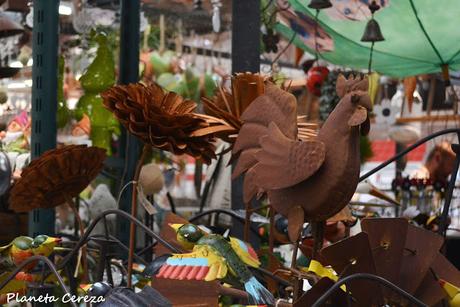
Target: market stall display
[(271, 184)]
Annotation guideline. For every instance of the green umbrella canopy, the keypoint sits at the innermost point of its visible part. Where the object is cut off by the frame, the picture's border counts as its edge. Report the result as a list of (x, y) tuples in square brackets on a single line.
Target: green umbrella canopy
[(420, 35)]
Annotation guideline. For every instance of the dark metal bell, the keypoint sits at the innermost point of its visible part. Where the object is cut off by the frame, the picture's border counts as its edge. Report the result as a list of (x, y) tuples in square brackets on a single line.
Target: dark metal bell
[(372, 32), (319, 4)]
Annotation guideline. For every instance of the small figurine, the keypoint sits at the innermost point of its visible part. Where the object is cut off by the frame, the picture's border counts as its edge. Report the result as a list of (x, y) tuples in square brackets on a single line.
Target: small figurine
[(15, 253), (16, 136), (23, 247), (213, 257)]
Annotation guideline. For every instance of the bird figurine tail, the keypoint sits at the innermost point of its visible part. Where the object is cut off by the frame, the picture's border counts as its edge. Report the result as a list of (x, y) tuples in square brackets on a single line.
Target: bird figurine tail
[(452, 293), (258, 294)]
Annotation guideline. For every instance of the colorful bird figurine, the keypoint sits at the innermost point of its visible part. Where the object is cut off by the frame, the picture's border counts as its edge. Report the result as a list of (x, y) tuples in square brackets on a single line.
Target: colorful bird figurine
[(213, 257), (15, 253), (44, 245), (453, 293)]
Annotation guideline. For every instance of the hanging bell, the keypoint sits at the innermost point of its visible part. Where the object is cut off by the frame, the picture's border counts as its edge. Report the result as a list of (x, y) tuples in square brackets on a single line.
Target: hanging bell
[(319, 4), (372, 32)]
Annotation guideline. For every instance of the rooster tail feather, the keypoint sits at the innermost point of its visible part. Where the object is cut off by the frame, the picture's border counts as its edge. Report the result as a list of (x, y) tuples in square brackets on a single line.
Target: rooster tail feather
[(258, 294)]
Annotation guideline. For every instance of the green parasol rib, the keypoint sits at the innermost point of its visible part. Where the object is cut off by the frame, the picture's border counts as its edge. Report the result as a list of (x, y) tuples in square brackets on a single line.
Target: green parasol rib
[(416, 42), (425, 33)]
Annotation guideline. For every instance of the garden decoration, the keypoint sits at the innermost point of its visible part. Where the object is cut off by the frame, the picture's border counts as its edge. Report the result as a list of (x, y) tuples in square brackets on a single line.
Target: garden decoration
[(229, 105), (214, 257), (15, 253), (55, 178), (162, 120), (323, 170), (406, 255), (99, 76)]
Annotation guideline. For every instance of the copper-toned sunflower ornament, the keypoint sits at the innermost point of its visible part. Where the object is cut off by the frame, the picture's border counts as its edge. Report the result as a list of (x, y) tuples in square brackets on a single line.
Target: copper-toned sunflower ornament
[(56, 175), (163, 119), (229, 105)]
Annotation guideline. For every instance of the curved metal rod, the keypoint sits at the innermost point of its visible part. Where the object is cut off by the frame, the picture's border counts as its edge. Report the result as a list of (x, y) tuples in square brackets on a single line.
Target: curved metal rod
[(322, 300), (48, 263), (117, 241), (271, 275), (221, 211), (408, 149), (93, 224)]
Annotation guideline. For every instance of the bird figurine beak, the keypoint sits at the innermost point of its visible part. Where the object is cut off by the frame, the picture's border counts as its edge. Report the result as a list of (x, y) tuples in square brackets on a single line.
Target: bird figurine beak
[(176, 226), (57, 240), (85, 287), (449, 288)]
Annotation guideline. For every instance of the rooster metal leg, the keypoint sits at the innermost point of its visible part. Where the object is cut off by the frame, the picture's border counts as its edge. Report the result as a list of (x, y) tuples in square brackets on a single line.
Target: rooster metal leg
[(318, 237), (247, 222)]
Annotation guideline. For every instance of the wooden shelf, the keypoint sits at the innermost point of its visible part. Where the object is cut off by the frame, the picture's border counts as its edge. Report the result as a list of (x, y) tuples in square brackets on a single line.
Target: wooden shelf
[(428, 118)]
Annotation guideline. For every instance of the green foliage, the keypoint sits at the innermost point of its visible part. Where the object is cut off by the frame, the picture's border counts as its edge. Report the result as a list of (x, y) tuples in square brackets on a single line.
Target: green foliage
[(153, 39)]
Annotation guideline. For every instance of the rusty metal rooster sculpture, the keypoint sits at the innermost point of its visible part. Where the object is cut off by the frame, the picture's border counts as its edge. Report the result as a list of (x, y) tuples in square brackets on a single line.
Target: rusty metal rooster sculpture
[(319, 174)]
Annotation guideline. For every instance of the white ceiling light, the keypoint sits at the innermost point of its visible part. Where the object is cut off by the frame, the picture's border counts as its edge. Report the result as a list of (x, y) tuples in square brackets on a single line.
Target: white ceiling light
[(65, 9)]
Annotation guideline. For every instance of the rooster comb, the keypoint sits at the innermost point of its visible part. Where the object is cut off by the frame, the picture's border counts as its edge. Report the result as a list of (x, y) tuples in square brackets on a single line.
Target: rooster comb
[(353, 83)]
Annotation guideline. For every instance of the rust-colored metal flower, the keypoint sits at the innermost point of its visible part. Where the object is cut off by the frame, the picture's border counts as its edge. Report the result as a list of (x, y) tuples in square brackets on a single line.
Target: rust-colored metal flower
[(228, 105), (56, 175), (164, 119)]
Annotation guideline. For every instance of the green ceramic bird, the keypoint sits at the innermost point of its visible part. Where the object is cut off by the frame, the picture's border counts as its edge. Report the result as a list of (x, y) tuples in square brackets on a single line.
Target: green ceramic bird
[(15, 252), (44, 245), (99, 76), (213, 257)]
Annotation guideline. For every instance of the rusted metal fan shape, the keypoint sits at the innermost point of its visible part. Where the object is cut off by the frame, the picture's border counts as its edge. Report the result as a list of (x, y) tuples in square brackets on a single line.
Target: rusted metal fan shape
[(405, 255), (57, 174)]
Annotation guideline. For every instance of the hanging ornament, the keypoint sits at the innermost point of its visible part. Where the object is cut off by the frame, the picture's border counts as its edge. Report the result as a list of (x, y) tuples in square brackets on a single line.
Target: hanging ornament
[(299, 52), (372, 32), (410, 83), (385, 112), (271, 41), (373, 86), (216, 5), (315, 79)]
